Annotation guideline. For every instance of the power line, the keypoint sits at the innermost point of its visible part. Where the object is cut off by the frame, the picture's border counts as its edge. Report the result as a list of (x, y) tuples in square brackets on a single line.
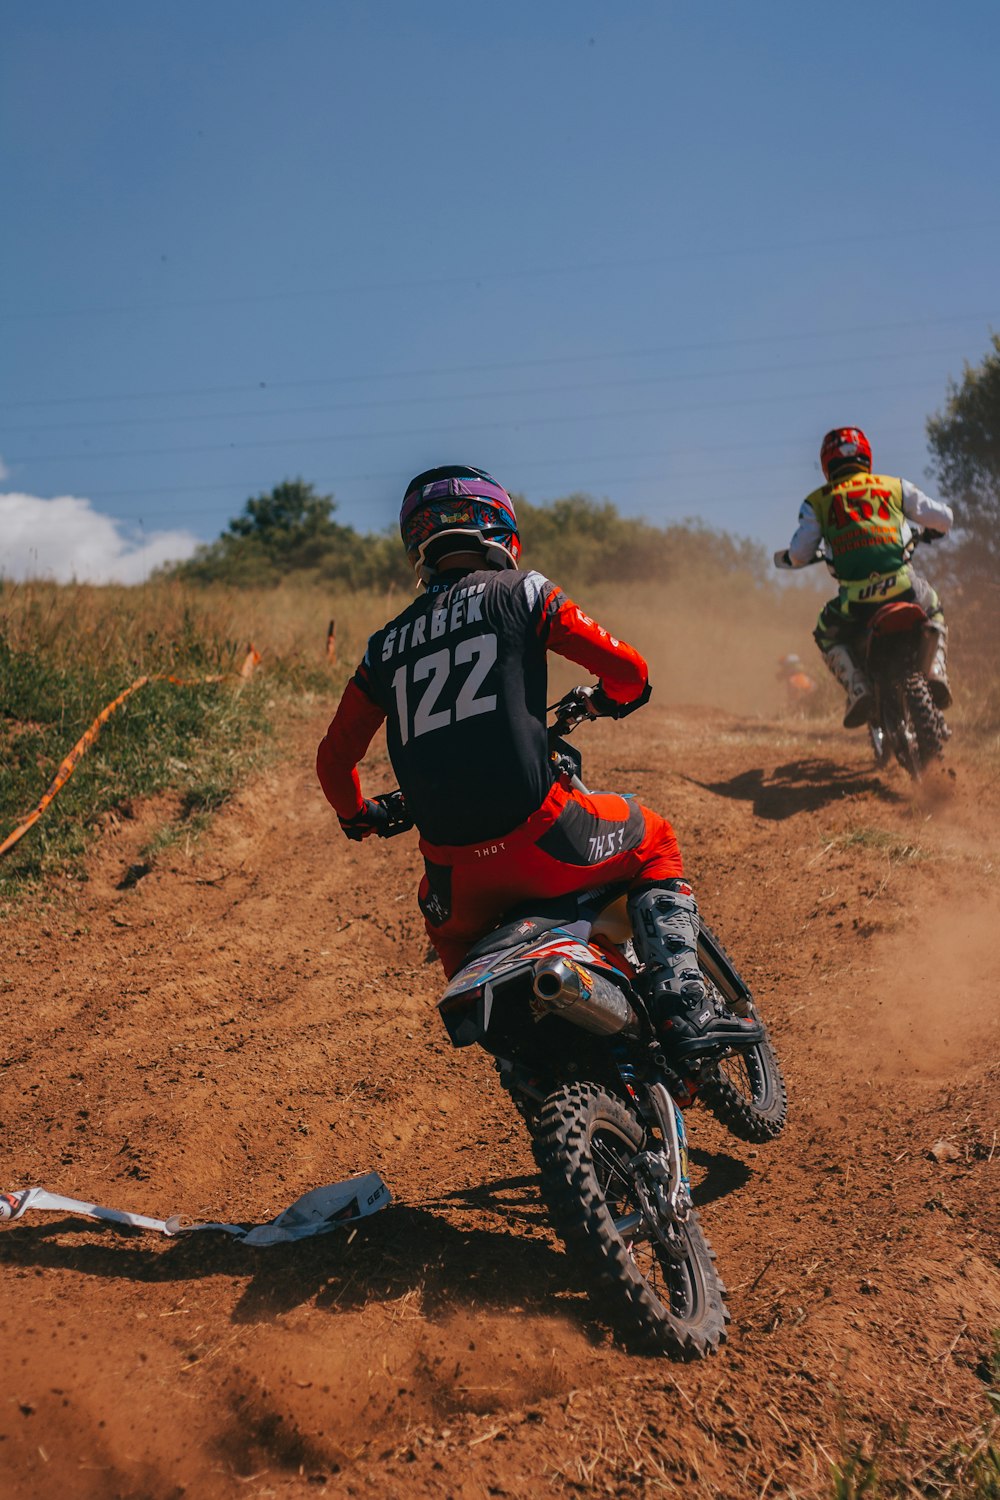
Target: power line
[(667, 478), (538, 390), (575, 460), (393, 475), (508, 423), (474, 278), (424, 373)]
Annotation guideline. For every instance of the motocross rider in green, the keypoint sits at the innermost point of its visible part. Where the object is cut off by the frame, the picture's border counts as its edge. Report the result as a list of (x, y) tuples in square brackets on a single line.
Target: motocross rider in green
[(864, 519)]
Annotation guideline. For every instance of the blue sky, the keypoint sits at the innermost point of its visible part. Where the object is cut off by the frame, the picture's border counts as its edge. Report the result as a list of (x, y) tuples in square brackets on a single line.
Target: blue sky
[(650, 251)]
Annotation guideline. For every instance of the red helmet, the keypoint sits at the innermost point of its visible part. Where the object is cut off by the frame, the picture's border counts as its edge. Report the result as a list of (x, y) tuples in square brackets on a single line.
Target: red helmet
[(444, 505), (844, 450)]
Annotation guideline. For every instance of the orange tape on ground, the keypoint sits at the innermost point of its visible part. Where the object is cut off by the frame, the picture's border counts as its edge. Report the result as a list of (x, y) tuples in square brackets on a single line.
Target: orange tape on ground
[(86, 739)]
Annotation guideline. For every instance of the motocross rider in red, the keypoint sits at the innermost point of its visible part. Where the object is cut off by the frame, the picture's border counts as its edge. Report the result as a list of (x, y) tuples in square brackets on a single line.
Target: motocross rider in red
[(459, 678)]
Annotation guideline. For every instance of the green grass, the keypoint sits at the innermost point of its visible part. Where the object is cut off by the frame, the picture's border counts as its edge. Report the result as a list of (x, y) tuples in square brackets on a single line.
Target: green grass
[(881, 841), (200, 741), (966, 1470), (67, 652)]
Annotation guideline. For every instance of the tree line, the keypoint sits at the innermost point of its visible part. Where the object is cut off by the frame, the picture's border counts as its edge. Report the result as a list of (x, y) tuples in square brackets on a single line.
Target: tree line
[(293, 529)]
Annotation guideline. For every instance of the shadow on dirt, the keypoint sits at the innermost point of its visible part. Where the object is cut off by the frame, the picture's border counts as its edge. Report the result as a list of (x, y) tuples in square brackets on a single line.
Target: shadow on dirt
[(430, 1247), (801, 786), (394, 1252), (716, 1175)]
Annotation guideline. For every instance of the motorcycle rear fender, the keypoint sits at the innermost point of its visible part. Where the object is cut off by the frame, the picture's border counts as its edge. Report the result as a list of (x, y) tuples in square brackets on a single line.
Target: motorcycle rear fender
[(903, 617), (467, 1003), (897, 616), (466, 1016)]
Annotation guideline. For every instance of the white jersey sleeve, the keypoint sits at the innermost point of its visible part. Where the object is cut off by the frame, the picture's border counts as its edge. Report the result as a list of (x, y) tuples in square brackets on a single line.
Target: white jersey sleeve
[(808, 535), (923, 511)]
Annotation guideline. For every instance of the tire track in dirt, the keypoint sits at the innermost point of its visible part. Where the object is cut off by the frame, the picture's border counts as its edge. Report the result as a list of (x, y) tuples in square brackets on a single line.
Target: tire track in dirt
[(257, 1016)]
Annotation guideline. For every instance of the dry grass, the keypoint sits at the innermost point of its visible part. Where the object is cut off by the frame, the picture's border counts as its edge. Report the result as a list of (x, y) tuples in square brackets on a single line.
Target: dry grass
[(65, 652), (712, 639)]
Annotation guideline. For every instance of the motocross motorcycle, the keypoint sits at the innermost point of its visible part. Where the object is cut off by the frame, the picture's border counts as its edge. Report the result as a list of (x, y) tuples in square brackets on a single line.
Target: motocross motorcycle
[(900, 645), (897, 648), (556, 995)]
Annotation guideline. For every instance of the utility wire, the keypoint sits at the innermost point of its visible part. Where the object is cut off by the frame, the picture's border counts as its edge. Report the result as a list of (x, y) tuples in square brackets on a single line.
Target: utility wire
[(474, 278), (667, 479), (390, 476), (424, 373), (496, 395), (395, 476), (510, 423)]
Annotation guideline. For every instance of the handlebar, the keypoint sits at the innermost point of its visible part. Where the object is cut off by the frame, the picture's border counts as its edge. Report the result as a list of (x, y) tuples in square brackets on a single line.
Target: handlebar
[(576, 708), (397, 818), (582, 704)]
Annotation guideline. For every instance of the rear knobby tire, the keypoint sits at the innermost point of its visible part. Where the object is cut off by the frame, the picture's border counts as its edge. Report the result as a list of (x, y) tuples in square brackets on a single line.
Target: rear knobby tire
[(927, 718), (584, 1143), (746, 1092), (897, 726)]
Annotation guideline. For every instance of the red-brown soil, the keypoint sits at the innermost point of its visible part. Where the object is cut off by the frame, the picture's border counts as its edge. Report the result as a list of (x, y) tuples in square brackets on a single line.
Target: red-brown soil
[(257, 1016)]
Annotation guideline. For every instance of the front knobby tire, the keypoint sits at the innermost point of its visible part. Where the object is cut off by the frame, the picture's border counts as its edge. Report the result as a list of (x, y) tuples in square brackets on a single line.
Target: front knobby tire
[(746, 1092), (927, 719), (585, 1142)]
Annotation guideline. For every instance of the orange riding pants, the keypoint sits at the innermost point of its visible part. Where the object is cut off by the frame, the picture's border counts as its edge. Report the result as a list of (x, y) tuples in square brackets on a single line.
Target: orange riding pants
[(575, 841)]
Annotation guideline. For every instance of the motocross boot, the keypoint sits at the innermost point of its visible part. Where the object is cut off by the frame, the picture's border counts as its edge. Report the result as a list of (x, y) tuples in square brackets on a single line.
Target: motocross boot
[(665, 928), (855, 684), (937, 677)]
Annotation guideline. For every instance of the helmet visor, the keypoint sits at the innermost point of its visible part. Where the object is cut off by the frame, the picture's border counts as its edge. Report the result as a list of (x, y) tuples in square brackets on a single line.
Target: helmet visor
[(462, 513), (444, 489)]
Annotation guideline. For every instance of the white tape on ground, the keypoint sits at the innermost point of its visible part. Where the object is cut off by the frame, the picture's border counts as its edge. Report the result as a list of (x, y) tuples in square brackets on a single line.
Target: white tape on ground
[(317, 1212)]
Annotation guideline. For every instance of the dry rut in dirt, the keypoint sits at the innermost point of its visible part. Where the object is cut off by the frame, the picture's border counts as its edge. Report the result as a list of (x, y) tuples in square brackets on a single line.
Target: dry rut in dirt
[(256, 1016)]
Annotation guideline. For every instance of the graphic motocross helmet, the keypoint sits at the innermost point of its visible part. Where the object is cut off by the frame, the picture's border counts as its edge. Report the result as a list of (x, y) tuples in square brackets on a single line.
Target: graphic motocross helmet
[(844, 450), (442, 506)]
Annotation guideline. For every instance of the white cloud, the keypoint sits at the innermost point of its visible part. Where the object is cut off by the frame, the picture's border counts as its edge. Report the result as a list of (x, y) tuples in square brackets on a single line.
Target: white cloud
[(66, 539)]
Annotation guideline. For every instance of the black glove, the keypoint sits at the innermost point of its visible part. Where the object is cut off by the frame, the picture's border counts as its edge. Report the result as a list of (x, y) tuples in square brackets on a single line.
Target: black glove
[(930, 536), (605, 707), (366, 822)]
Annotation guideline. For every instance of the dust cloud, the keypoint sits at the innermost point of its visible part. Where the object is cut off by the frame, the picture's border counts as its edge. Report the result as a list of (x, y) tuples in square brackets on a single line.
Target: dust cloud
[(717, 644), (934, 997)]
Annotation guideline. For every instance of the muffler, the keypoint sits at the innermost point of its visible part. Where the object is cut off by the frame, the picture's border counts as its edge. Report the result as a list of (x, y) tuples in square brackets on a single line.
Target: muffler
[(583, 997)]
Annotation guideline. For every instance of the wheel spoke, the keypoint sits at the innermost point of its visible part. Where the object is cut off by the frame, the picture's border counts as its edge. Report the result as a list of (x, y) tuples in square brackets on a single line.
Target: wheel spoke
[(656, 1281), (609, 1168)]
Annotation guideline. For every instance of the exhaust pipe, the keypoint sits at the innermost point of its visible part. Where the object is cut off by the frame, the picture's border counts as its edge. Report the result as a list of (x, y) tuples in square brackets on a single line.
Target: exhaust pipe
[(583, 997)]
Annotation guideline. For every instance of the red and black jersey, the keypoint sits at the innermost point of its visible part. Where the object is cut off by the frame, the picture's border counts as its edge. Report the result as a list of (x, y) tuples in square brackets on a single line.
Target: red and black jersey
[(460, 678)]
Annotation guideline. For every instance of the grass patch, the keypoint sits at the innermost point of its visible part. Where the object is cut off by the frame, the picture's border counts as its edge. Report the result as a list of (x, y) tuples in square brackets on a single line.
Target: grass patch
[(881, 841), (964, 1470), (164, 737), (66, 652)]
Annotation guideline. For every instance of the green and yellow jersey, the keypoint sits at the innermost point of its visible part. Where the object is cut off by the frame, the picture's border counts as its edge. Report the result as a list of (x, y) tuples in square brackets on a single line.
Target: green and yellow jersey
[(864, 525)]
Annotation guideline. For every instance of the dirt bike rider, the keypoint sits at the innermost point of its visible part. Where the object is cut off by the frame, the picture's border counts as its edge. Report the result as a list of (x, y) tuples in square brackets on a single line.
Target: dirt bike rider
[(864, 519), (798, 684), (460, 679)]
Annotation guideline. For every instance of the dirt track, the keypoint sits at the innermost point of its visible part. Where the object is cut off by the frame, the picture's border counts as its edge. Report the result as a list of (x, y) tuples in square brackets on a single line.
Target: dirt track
[(257, 1017)]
